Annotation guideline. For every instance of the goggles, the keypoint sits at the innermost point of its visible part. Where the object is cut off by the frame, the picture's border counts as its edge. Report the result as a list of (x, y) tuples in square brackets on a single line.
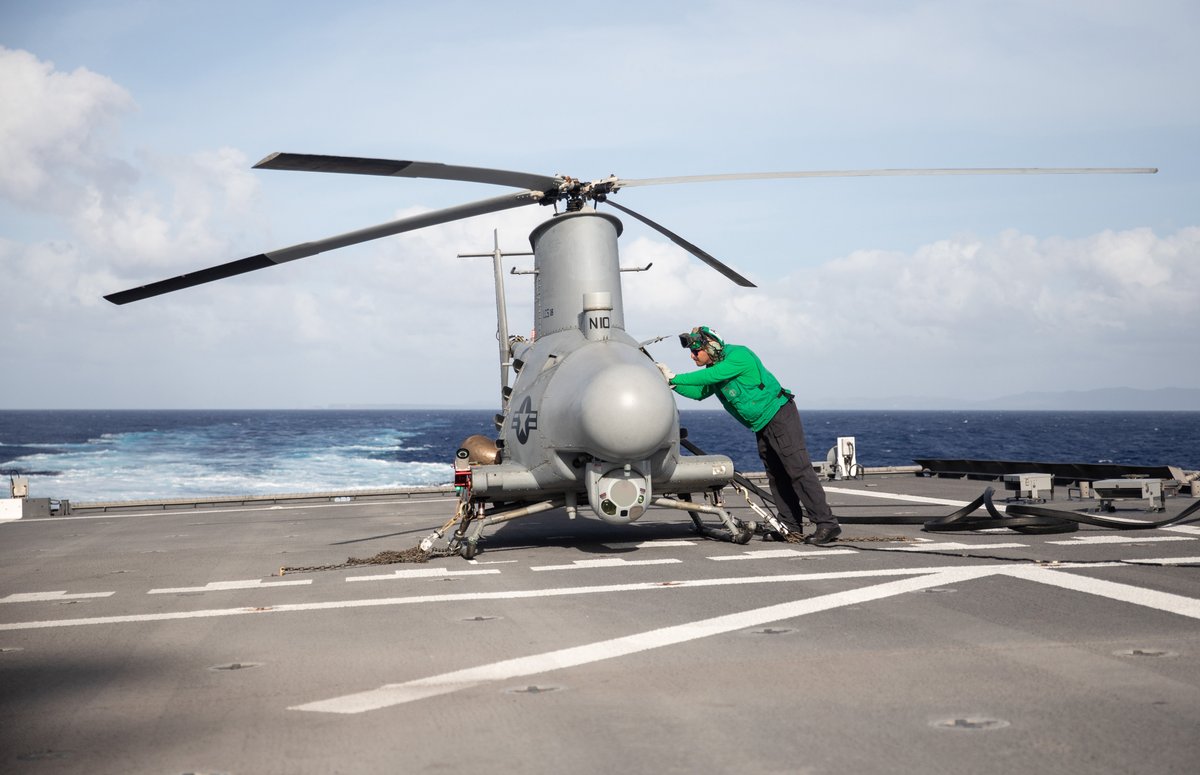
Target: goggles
[(693, 340)]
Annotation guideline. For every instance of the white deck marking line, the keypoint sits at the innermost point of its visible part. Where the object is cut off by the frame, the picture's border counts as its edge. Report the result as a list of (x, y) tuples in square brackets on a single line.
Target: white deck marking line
[(664, 544), (423, 573), (1128, 520), (761, 554), (221, 586), (947, 546), (895, 496), (520, 667), (999, 506), (604, 562), (1167, 561), (1149, 598), (768, 554), (42, 597), (1089, 540), (475, 596)]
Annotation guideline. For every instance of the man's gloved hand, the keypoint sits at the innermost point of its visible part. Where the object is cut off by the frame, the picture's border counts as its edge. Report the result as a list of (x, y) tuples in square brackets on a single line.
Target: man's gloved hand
[(666, 372)]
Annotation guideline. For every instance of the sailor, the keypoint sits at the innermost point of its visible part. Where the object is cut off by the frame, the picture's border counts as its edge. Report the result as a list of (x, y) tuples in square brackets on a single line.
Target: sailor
[(755, 398)]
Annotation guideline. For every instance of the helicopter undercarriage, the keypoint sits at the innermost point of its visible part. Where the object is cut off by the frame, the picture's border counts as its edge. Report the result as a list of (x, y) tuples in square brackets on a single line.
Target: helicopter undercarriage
[(472, 516)]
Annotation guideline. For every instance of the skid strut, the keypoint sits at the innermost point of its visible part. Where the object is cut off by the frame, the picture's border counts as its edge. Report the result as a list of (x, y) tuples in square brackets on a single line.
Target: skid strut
[(472, 519), (735, 530)]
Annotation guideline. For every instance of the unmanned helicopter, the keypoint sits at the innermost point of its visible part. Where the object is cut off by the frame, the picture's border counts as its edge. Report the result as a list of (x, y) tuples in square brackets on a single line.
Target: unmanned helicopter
[(588, 418)]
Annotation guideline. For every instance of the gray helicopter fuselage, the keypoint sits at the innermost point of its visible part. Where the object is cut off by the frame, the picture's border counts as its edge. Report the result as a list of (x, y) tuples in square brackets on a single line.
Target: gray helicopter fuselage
[(589, 413)]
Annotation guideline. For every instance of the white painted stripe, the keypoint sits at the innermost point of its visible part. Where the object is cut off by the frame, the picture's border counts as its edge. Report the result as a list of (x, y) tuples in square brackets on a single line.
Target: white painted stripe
[(1127, 520), (895, 496), (1167, 561), (221, 586), (42, 597), (1092, 540), (1003, 508), (1150, 598), (395, 694), (949, 546), (604, 562), (423, 573), (761, 554), (474, 596), (665, 544), (767, 554)]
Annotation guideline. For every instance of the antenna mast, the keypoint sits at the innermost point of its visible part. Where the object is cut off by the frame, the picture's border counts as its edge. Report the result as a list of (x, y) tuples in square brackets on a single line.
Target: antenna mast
[(501, 309)]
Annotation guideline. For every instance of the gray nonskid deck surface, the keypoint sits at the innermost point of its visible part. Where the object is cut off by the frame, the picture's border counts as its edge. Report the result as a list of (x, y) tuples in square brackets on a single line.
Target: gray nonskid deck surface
[(167, 643)]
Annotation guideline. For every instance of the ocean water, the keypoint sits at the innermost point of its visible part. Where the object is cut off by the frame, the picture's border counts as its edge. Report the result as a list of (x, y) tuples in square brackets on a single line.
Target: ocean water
[(134, 455)]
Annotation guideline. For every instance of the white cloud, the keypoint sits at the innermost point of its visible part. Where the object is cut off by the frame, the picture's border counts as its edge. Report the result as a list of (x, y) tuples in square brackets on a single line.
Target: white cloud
[(964, 317), (58, 153), (55, 130)]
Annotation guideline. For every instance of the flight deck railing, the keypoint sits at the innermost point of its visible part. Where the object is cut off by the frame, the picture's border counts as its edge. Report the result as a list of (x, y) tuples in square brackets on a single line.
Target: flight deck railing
[(250, 501)]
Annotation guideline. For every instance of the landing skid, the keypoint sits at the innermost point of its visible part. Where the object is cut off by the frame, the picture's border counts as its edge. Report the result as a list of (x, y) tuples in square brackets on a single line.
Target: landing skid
[(735, 530), (471, 519)]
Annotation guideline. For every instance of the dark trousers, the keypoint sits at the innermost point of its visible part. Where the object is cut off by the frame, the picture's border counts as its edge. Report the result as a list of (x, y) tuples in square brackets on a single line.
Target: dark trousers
[(794, 483)]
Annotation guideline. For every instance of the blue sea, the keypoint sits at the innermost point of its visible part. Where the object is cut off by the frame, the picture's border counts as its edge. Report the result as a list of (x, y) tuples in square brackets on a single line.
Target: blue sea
[(134, 455)]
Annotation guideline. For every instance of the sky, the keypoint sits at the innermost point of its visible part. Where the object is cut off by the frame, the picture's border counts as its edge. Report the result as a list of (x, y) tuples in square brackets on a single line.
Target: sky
[(128, 129)]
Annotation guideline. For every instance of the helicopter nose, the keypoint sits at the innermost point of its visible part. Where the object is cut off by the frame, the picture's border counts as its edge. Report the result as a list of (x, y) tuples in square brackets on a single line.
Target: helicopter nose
[(627, 412)]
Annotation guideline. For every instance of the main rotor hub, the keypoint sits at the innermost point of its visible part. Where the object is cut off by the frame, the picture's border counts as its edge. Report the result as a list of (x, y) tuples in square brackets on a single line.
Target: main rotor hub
[(576, 193)]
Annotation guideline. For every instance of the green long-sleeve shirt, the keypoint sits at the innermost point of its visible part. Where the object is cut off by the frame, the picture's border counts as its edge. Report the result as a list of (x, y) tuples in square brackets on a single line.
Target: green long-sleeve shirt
[(742, 384)]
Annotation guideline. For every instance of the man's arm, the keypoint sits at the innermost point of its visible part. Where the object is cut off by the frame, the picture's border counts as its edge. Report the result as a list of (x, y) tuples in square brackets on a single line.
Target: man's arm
[(696, 392), (711, 376)]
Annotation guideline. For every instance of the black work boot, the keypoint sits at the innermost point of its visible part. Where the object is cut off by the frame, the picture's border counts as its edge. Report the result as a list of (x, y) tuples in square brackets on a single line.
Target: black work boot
[(825, 534), (791, 537)]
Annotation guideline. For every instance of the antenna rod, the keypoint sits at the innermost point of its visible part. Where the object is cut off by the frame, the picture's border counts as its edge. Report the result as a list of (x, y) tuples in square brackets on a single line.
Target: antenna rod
[(501, 315), (501, 308)]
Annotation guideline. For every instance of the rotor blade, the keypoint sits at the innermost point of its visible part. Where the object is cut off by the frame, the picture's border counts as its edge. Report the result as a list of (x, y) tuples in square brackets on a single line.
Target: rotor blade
[(889, 173), (353, 165), (264, 260), (689, 247)]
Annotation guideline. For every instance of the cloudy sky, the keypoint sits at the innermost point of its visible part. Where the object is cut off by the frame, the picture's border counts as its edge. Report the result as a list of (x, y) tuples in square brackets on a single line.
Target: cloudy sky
[(128, 129)]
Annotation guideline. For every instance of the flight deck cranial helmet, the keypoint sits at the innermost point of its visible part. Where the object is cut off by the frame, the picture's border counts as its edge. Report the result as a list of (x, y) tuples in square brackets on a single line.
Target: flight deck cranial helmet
[(704, 338)]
